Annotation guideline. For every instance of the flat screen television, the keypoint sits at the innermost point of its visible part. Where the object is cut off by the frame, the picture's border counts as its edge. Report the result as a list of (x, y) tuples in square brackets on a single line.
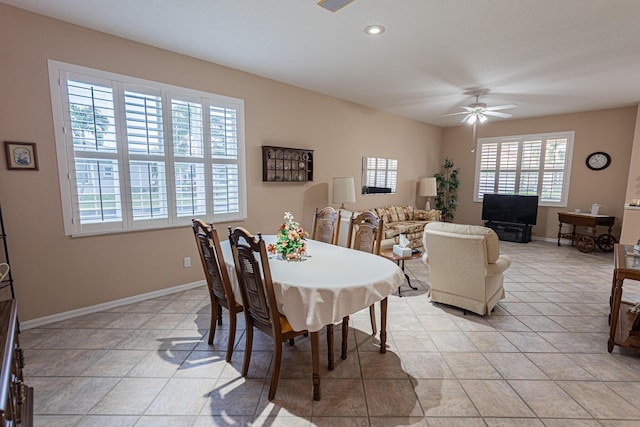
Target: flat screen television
[(510, 208)]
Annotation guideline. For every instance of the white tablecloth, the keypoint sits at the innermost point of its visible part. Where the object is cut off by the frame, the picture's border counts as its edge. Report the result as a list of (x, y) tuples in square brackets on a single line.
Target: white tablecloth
[(332, 283)]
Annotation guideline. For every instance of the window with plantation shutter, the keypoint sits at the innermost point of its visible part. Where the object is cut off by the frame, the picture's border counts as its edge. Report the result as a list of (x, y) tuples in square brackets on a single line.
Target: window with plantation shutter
[(135, 154), (527, 165)]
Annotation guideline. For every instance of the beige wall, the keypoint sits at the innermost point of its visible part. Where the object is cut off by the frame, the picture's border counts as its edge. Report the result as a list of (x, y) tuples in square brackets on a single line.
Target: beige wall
[(607, 130), (54, 273), (631, 225)]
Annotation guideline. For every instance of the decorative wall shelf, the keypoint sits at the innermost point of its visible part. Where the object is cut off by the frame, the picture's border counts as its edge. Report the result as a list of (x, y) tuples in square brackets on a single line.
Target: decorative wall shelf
[(281, 164)]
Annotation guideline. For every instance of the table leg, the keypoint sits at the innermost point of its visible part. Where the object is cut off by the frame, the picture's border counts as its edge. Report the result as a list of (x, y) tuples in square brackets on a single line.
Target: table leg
[(383, 326), (315, 361), (345, 337), (615, 311), (559, 233), (401, 265), (330, 346)]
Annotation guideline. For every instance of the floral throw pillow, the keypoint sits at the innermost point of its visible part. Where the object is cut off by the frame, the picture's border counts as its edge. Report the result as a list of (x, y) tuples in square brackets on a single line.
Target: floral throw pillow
[(405, 213)]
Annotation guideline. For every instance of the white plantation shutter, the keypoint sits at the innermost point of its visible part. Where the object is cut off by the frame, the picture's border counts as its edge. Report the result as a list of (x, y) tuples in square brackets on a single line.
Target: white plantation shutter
[(135, 154), (527, 165), (530, 167), (488, 168), (96, 195)]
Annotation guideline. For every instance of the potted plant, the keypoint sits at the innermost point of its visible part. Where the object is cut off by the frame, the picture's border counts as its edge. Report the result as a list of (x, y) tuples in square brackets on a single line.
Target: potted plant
[(447, 183)]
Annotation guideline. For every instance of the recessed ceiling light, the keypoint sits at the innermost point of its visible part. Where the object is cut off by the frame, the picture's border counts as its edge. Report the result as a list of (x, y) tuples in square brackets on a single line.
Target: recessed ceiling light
[(374, 30)]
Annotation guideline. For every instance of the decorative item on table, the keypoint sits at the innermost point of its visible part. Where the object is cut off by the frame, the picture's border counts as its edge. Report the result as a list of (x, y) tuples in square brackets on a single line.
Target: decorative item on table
[(290, 244), (402, 248), (595, 208)]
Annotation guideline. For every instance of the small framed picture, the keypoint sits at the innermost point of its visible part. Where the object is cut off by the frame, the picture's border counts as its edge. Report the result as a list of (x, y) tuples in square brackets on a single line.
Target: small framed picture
[(21, 155)]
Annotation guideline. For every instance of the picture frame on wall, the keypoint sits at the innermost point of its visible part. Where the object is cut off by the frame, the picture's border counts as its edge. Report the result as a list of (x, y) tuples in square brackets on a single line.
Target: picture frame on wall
[(21, 155)]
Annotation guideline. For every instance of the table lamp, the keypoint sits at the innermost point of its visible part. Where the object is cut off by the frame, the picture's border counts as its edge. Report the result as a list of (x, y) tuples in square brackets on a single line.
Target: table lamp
[(428, 188), (344, 190)]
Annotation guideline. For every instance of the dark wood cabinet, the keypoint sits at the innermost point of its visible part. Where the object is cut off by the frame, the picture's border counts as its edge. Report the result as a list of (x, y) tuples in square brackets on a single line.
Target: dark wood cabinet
[(16, 398), (6, 279), (280, 164), (624, 323)]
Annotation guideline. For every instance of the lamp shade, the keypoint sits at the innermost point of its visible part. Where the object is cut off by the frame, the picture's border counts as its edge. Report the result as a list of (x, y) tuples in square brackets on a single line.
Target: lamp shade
[(344, 190), (427, 187)]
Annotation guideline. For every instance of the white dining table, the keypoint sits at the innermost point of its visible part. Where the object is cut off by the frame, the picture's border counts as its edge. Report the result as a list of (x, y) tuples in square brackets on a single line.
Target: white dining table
[(330, 283)]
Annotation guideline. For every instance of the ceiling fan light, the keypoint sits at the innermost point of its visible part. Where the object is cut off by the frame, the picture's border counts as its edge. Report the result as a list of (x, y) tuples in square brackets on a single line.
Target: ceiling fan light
[(482, 118), (374, 30), (472, 119)]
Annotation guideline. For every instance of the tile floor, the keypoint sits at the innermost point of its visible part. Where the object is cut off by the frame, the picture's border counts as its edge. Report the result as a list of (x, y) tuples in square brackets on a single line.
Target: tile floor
[(539, 360)]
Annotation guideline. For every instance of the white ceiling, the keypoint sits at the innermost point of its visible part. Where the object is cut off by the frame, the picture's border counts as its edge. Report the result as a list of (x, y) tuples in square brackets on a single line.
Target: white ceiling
[(547, 56)]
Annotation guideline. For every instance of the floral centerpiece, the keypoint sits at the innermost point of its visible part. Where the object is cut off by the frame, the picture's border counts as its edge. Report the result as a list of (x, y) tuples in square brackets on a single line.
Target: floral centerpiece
[(290, 242)]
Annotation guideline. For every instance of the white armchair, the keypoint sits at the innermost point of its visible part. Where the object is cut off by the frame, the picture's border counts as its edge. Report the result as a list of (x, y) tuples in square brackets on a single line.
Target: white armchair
[(465, 266)]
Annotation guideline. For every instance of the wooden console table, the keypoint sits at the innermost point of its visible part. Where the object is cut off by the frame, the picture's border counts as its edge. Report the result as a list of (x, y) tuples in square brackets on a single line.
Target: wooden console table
[(625, 325), (587, 242)]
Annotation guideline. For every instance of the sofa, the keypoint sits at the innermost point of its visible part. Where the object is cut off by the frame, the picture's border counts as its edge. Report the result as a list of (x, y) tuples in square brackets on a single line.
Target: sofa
[(406, 220), (466, 269)]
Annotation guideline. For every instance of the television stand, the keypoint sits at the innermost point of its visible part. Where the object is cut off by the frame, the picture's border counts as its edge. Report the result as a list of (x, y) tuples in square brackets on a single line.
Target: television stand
[(511, 232)]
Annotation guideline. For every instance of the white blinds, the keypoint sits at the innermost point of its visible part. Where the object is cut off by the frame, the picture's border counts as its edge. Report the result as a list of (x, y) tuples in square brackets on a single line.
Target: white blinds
[(527, 165), (145, 154)]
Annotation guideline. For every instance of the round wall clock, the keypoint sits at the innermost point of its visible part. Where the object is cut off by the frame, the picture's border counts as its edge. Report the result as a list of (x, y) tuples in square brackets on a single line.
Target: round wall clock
[(598, 160)]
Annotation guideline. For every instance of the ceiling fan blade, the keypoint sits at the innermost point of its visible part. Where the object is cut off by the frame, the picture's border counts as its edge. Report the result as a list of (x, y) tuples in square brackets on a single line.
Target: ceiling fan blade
[(466, 118), (497, 114), (501, 107), (455, 114)]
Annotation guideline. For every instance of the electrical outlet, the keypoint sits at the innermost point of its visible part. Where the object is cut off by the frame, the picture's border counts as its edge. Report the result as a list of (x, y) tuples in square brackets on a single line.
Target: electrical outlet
[(187, 262)]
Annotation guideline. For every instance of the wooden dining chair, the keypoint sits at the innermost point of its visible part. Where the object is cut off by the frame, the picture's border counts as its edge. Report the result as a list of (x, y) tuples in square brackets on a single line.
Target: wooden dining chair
[(326, 228), (326, 225), (215, 272), (261, 312), (367, 237)]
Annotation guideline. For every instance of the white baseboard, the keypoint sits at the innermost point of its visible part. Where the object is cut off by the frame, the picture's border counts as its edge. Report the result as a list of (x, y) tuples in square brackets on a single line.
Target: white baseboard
[(34, 323)]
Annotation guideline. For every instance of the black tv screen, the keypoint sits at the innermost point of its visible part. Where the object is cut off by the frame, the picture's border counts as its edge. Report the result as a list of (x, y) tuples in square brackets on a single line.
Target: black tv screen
[(510, 208)]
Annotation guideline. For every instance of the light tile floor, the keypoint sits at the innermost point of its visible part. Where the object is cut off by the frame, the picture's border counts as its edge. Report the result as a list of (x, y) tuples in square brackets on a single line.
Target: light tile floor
[(540, 359)]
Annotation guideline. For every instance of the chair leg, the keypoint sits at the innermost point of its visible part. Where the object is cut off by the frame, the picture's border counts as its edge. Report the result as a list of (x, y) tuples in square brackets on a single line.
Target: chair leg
[(330, 345), (232, 335), (219, 315), (275, 372), (247, 350), (345, 337), (372, 315), (291, 341), (383, 325), (216, 310)]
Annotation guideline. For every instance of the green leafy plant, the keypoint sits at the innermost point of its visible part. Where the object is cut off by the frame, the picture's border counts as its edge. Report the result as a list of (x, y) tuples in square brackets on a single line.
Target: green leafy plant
[(448, 183)]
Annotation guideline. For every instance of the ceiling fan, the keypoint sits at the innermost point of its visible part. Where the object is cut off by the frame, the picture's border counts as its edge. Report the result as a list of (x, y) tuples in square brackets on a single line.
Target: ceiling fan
[(333, 5), (478, 111)]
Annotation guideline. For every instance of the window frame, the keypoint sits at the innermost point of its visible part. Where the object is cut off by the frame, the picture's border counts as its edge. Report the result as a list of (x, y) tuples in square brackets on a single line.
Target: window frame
[(521, 139), (60, 73)]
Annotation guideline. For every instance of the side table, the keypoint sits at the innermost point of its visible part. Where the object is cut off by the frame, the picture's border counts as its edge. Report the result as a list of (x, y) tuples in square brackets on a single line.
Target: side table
[(388, 254), (625, 327)]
